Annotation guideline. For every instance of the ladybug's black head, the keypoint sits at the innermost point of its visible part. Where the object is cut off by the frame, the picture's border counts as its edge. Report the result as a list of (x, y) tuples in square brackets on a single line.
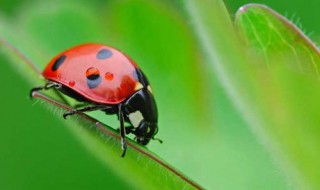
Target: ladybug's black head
[(145, 132), (141, 112)]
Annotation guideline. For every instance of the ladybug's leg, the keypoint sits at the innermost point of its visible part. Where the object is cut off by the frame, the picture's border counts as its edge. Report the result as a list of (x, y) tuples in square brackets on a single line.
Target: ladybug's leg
[(129, 129), (85, 109), (122, 132), (47, 86), (80, 105), (36, 89)]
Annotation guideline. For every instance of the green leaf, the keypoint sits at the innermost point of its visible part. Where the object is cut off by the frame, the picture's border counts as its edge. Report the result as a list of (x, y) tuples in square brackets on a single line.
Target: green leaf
[(281, 116), (138, 160), (276, 39), (192, 107), (204, 136), (294, 101)]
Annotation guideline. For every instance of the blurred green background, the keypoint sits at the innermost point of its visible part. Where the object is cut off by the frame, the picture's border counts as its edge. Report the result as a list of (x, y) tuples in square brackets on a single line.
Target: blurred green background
[(204, 135)]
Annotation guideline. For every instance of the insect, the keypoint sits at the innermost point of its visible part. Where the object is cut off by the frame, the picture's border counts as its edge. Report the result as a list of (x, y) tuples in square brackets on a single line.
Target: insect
[(109, 81)]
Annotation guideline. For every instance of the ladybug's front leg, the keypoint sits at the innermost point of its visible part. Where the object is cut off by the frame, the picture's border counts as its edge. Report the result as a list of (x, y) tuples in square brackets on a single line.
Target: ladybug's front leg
[(129, 129), (122, 132)]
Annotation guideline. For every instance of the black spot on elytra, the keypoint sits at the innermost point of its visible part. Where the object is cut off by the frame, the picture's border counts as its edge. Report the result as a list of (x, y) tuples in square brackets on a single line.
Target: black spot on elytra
[(58, 63), (93, 76), (104, 54), (93, 83)]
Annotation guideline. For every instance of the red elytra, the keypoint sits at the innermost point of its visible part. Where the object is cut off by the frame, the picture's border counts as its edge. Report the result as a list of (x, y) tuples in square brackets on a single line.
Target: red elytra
[(100, 73)]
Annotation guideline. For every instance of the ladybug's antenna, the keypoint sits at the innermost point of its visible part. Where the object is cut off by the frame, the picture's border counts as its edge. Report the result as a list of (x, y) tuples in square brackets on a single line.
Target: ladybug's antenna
[(160, 141)]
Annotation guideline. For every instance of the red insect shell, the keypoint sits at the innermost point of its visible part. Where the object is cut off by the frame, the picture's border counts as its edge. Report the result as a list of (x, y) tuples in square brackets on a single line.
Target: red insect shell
[(100, 73)]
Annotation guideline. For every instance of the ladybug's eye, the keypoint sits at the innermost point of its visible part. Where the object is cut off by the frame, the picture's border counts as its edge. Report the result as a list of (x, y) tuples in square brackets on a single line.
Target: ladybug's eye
[(92, 73)]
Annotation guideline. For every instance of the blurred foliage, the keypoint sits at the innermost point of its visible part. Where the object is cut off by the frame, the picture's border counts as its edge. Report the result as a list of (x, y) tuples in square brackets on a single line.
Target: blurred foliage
[(282, 45), (278, 41), (302, 14), (205, 136)]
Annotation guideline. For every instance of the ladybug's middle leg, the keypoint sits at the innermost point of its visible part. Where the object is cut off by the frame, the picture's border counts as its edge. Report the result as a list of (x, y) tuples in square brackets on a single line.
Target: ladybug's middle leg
[(122, 132), (80, 105), (86, 109)]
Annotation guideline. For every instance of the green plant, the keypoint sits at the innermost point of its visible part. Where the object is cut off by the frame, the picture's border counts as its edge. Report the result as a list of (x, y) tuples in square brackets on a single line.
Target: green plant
[(229, 119)]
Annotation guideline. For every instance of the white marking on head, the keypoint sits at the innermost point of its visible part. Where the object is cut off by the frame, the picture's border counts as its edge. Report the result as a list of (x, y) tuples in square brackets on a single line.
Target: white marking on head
[(135, 118)]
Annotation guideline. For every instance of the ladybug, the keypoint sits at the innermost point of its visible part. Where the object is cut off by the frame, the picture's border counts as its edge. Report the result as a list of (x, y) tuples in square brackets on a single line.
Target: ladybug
[(109, 81)]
